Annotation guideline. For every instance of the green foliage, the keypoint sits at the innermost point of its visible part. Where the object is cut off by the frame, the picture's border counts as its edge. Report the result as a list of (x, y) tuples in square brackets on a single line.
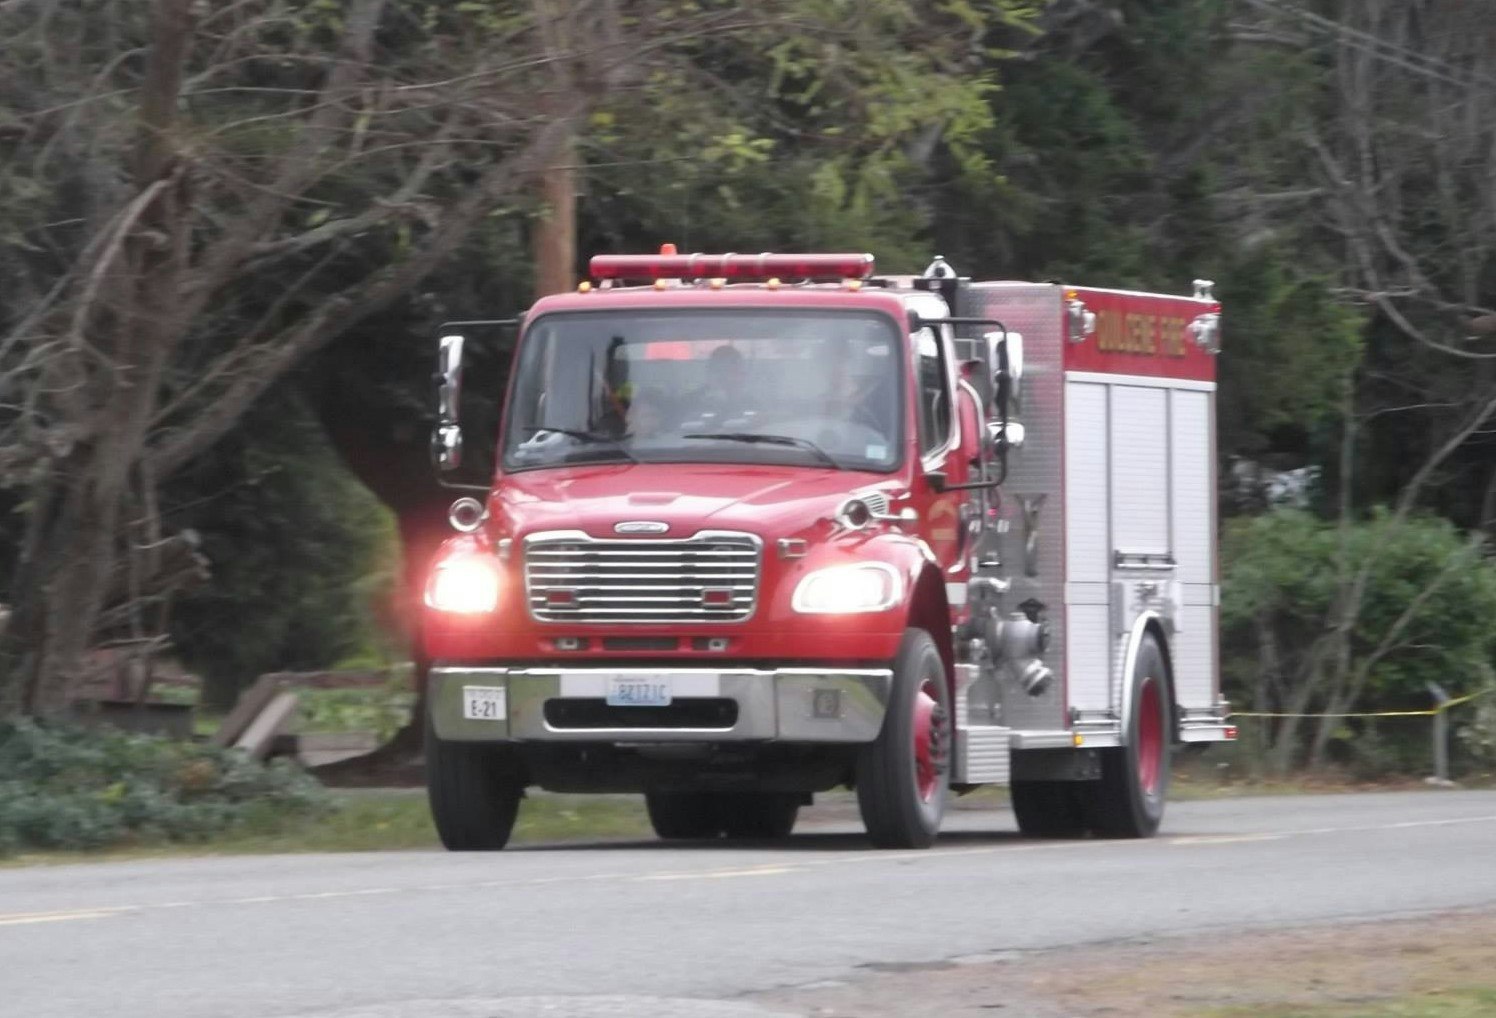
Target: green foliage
[(384, 710), (812, 129), (1477, 734), (1070, 163), (1288, 355), (1284, 570), (1137, 158), (68, 787), (303, 558)]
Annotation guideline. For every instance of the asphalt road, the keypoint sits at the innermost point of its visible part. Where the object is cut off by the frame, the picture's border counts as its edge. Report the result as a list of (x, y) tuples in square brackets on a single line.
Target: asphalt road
[(661, 930)]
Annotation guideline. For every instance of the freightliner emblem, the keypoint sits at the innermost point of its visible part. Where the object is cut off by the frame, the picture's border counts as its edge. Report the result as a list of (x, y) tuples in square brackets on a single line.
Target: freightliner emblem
[(640, 527)]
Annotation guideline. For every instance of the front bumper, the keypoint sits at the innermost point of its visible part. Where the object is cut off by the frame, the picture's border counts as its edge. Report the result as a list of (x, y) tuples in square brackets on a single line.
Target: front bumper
[(803, 705)]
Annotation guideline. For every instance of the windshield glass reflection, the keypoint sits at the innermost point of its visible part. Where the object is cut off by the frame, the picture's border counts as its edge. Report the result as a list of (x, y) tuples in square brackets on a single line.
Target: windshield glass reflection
[(817, 388)]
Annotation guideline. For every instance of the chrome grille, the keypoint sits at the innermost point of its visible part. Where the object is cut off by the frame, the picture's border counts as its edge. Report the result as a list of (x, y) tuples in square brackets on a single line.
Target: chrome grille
[(712, 577)]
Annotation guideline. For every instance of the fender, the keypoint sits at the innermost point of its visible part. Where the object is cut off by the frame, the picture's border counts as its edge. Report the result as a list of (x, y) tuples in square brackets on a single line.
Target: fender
[(926, 606), (1146, 622), (925, 601)]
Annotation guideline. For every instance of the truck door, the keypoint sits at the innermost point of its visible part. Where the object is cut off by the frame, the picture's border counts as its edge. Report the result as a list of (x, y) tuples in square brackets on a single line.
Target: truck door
[(943, 515)]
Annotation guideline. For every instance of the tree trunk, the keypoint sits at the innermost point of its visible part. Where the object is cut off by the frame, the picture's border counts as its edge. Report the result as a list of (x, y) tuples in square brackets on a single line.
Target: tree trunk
[(1325, 730), (556, 230), (1310, 676), (1268, 676)]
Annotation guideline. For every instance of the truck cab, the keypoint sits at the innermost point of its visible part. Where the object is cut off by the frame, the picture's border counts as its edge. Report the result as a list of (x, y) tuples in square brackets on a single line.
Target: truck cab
[(743, 543)]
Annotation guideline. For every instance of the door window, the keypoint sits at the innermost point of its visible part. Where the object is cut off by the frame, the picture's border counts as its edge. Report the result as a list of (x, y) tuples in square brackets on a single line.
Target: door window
[(934, 391)]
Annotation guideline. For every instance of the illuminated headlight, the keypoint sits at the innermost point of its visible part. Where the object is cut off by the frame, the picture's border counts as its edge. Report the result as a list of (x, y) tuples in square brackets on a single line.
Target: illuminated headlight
[(843, 590), (466, 584)]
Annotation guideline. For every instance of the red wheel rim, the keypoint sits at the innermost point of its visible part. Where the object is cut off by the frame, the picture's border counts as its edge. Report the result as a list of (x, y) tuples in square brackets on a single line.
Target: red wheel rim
[(929, 741), (1150, 743)]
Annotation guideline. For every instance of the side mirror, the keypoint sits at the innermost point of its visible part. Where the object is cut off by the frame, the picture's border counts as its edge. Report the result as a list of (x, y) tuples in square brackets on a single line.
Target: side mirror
[(1005, 354), (1005, 436), (446, 440), (446, 447), (1014, 343)]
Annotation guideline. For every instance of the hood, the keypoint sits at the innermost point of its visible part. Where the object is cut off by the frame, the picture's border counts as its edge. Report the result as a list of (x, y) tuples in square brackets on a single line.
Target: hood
[(686, 497)]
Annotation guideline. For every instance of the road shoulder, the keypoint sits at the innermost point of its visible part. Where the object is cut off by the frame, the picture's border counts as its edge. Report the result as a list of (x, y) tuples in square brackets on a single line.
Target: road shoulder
[(1322, 969)]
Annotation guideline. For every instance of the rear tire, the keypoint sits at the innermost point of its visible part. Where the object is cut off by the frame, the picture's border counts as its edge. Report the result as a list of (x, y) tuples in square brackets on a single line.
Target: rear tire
[(683, 816), (474, 791), (901, 776), (1135, 778), (758, 815), (1050, 809)]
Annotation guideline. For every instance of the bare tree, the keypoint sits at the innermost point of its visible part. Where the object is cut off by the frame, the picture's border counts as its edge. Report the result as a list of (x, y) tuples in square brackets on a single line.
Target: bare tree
[(238, 184), (1402, 142), (196, 197)]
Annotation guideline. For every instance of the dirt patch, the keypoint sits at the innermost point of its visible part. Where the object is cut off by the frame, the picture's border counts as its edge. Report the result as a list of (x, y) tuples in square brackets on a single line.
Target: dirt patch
[(1335, 966)]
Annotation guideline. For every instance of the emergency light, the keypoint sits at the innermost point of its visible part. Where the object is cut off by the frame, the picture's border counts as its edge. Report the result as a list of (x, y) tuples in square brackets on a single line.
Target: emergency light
[(669, 265)]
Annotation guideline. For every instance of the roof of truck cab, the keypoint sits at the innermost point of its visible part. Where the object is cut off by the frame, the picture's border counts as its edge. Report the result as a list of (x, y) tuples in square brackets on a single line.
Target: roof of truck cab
[(739, 296)]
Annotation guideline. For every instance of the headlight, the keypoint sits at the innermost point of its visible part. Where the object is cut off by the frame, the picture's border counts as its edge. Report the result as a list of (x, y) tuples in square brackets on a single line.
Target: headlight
[(843, 590), (465, 584)]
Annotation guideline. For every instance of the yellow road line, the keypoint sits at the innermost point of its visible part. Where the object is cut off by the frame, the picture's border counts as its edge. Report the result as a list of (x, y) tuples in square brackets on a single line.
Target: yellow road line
[(755, 871), (25, 918), (1224, 839)]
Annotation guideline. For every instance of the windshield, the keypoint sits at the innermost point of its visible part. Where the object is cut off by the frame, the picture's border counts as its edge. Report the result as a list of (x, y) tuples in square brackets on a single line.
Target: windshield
[(813, 388)]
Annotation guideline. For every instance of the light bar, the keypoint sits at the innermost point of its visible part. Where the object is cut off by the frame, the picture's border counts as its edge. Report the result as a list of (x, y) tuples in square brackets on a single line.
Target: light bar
[(732, 266)]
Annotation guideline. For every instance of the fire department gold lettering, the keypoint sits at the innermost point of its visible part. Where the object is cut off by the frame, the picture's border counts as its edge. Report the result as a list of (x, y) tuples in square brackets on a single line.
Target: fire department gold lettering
[(1172, 335), (1110, 336), (1140, 329), (1138, 333)]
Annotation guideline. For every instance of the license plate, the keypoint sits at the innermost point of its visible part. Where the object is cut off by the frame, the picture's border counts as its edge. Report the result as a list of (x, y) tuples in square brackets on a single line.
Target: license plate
[(638, 693), (484, 703)]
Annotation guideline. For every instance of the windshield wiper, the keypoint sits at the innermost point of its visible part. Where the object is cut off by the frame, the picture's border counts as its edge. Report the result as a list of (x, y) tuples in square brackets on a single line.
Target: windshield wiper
[(754, 436), (590, 437)]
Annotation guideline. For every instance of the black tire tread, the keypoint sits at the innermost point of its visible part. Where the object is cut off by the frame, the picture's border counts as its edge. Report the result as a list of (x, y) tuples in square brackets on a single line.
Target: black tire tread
[(889, 811), (1121, 809), (683, 816), (473, 790), (761, 815), (1049, 809)]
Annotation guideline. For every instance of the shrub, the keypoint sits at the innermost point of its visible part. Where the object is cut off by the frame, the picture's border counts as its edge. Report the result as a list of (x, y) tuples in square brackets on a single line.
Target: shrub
[(1478, 733), (382, 709), (1280, 572), (65, 787), (1424, 616)]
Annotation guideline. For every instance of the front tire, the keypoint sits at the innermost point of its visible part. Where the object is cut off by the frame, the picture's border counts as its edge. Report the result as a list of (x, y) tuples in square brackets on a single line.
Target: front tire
[(759, 815), (901, 776), (474, 791)]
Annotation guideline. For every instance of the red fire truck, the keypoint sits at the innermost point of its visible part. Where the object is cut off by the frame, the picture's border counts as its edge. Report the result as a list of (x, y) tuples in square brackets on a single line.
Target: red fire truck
[(762, 526)]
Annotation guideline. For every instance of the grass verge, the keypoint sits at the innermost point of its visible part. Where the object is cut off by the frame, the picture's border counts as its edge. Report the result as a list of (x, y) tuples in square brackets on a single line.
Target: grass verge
[(377, 821), (1436, 966), (1477, 1002)]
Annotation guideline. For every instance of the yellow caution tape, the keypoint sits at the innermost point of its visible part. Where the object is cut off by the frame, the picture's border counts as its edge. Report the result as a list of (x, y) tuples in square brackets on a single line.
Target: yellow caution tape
[(1371, 714)]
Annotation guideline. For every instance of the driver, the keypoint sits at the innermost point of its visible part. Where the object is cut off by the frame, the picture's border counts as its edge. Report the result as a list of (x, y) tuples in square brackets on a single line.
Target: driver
[(848, 394), (726, 384), (646, 418)]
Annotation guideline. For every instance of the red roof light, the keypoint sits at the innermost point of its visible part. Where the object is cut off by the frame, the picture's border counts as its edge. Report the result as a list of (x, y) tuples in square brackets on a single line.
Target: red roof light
[(732, 266)]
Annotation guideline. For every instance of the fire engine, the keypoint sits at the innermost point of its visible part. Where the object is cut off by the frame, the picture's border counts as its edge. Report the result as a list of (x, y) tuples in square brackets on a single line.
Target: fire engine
[(762, 526)]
